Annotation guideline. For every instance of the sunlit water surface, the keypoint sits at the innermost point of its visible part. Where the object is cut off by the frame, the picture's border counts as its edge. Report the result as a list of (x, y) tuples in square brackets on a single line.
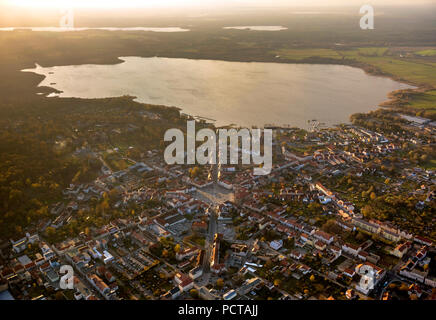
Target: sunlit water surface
[(242, 93)]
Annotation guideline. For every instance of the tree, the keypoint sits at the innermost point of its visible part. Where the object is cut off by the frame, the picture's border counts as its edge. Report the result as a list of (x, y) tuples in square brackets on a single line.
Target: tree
[(156, 292), (195, 172), (404, 287), (331, 227), (193, 293), (277, 282), (312, 278), (360, 236), (366, 211), (220, 283), (314, 206), (50, 231), (59, 295), (177, 248)]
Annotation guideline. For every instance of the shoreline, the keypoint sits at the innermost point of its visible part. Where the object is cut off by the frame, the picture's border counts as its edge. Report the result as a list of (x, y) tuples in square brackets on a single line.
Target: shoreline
[(392, 102)]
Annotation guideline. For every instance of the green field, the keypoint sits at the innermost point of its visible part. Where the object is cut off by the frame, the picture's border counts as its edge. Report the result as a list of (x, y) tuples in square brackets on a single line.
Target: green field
[(406, 69), (116, 162), (301, 54), (426, 53), (424, 102)]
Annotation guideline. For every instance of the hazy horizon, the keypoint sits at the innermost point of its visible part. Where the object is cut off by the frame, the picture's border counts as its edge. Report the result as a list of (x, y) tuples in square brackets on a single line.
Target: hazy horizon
[(204, 3)]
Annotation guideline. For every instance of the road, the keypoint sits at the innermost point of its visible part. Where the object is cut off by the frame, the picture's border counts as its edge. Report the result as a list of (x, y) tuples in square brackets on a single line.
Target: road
[(212, 229)]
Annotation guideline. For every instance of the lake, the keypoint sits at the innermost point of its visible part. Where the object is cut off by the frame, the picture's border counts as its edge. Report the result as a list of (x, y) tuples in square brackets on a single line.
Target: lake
[(243, 93), (258, 28), (61, 29)]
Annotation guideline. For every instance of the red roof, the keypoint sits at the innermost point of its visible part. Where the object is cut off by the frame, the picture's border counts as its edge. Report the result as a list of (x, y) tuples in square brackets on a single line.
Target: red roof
[(186, 282), (349, 272)]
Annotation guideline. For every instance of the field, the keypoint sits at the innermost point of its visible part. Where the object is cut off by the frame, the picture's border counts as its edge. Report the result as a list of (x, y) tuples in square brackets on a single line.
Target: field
[(387, 61), (422, 99), (301, 54), (116, 163), (427, 53), (422, 103), (425, 100)]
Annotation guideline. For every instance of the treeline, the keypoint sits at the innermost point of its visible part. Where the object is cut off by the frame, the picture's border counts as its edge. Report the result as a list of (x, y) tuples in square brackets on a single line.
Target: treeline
[(402, 210), (32, 175), (381, 120), (40, 144)]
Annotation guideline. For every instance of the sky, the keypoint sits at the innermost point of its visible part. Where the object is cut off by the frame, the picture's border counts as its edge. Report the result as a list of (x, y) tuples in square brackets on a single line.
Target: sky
[(188, 3)]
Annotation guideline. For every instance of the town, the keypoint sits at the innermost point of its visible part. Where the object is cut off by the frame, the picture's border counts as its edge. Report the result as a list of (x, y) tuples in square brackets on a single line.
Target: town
[(332, 206)]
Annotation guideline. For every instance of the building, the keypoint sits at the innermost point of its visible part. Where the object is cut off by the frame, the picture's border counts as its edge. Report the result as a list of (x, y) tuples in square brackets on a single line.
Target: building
[(215, 264), (196, 272), (320, 245), (184, 282), (276, 244), (423, 241), (336, 250), (99, 284), (19, 244), (296, 254), (371, 275), (230, 295), (207, 294), (351, 249), (323, 236), (174, 292), (349, 272), (188, 252), (249, 285), (389, 235), (199, 226), (107, 257), (400, 250), (365, 225)]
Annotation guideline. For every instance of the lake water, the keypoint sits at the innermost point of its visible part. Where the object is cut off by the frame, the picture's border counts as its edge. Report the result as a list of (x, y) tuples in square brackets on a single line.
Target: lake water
[(243, 93), (258, 28), (59, 29)]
